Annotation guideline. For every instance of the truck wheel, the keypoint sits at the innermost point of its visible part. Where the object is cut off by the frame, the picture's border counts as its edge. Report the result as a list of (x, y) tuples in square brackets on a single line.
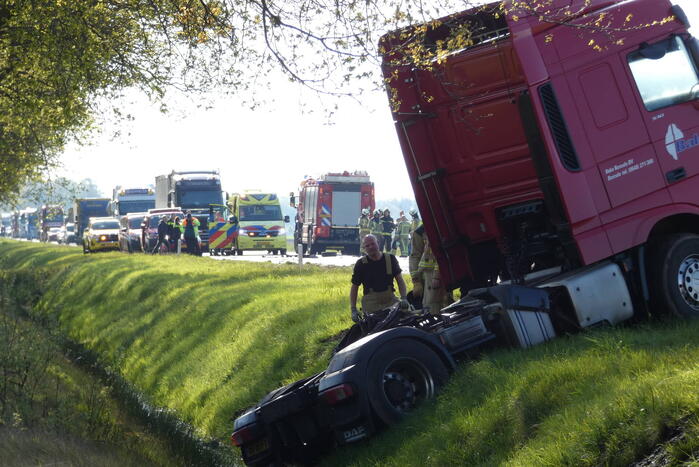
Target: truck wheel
[(282, 252), (674, 276), (401, 374)]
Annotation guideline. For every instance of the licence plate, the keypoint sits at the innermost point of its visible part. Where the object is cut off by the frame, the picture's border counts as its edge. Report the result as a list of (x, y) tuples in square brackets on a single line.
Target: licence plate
[(257, 447)]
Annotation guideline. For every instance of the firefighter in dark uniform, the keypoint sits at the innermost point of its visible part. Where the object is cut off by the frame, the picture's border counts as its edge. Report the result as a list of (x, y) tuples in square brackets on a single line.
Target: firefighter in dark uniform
[(376, 272)]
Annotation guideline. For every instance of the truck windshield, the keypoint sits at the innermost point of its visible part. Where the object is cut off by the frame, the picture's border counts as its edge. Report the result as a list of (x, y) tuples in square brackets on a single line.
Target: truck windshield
[(664, 73), (93, 210), (54, 215), (199, 199), (126, 207), (260, 213), (104, 225)]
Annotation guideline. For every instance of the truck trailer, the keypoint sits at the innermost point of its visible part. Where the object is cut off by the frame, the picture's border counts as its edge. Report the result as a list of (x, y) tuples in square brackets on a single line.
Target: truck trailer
[(328, 211), (192, 191), (554, 159)]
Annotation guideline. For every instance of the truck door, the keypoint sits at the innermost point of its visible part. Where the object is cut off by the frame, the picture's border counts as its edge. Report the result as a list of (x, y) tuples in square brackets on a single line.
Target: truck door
[(666, 89)]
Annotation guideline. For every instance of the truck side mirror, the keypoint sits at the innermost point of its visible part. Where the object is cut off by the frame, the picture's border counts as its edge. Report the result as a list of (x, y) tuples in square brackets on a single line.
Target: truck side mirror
[(286, 219), (292, 200)]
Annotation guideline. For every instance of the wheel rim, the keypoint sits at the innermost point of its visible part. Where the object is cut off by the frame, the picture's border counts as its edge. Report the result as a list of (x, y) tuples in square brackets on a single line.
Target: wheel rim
[(688, 280), (406, 382)]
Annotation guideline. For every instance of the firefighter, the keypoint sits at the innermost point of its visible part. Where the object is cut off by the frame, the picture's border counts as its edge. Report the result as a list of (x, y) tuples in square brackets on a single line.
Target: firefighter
[(376, 272), (424, 272), (364, 228), (191, 234), (376, 228), (402, 234), (387, 228), (414, 224)]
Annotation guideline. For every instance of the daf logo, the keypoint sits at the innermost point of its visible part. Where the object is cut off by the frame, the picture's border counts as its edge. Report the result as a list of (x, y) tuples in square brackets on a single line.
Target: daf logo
[(354, 434), (676, 143)]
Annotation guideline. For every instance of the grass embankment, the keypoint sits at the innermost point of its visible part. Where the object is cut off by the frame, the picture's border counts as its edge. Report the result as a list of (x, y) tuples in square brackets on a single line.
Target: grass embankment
[(209, 338), (53, 411), (204, 338)]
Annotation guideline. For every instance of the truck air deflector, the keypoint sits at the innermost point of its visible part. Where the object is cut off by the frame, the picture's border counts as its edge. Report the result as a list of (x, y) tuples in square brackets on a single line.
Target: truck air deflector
[(559, 129)]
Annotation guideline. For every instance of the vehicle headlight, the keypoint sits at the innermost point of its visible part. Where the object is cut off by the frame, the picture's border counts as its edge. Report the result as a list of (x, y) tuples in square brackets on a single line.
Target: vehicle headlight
[(282, 232), (103, 238), (242, 232)]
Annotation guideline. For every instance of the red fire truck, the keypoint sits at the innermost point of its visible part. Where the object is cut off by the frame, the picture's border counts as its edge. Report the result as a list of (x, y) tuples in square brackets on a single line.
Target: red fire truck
[(328, 210), (555, 161)]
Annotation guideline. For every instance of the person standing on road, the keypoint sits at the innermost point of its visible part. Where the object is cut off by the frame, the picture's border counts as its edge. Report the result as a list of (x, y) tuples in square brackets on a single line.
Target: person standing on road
[(376, 272), (364, 228), (163, 231), (387, 228), (191, 234), (414, 224), (177, 230), (403, 235), (376, 228)]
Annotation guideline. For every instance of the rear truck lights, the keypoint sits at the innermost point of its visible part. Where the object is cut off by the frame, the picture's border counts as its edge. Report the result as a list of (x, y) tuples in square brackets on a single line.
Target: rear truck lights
[(245, 435), (337, 394)]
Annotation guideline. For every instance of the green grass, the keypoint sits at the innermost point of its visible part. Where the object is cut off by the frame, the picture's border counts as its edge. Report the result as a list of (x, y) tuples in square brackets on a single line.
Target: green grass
[(210, 338), (54, 412), (201, 337)]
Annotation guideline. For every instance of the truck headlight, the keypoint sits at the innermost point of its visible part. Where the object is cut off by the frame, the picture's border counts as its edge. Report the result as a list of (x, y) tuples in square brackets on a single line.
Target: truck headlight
[(282, 232)]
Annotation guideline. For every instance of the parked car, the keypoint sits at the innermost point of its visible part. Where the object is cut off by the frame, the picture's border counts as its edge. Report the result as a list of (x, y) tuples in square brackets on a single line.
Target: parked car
[(66, 234), (149, 229), (130, 226), (52, 234), (101, 234)]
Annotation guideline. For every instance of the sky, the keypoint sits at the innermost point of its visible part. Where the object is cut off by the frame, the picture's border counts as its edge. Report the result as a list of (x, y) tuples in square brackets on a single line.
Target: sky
[(270, 149)]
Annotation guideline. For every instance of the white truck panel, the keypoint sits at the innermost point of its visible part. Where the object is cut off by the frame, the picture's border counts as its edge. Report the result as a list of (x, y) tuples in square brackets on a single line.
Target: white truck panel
[(346, 208)]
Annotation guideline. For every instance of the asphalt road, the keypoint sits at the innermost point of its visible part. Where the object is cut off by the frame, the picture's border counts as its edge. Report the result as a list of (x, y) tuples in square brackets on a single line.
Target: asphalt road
[(336, 260), (260, 256)]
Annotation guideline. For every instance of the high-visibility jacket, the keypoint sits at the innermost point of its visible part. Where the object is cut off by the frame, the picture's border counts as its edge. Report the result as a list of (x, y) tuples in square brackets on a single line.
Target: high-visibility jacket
[(364, 224), (416, 222), (194, 228), (376, 226), (404, 227)]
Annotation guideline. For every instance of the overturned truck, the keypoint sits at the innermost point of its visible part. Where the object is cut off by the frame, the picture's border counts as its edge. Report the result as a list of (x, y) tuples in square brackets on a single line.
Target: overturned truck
[(554, 159)]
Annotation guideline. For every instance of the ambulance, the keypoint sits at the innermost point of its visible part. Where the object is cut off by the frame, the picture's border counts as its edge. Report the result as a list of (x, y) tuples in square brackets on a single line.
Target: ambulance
[(261, 225)]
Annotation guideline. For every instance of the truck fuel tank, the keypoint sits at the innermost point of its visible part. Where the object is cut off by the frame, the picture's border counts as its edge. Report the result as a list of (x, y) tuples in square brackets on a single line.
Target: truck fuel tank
[(599, 294)]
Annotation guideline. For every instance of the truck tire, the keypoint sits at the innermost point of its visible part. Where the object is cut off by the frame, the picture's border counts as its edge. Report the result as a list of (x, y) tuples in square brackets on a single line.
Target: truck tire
[(282, 252), (401, 374), (674, 276)]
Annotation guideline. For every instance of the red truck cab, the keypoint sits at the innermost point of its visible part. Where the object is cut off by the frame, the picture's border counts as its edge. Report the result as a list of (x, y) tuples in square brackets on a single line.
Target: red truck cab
[(551, 143)]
